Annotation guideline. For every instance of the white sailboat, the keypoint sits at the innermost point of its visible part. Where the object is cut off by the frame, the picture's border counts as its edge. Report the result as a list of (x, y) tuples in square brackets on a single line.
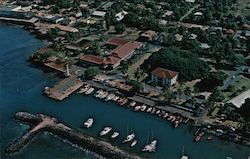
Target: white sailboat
[(150, 147)]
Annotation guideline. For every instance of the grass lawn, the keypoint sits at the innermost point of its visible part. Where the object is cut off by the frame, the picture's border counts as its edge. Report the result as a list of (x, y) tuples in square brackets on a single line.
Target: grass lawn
[(237, 87), (132, 68)]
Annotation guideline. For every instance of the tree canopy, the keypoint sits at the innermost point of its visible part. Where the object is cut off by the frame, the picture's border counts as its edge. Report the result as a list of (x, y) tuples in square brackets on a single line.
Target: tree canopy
[(185, 62), (91, 72), (244, 110)]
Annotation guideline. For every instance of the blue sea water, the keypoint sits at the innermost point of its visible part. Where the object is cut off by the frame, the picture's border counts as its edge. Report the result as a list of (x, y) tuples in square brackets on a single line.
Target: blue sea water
[(21, 85)]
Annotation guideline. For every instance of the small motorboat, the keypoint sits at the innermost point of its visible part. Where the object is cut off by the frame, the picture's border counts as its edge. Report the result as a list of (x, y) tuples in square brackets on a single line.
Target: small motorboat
[(132, 104), (143, 107), (129, 138), (105, 131), (89, 91), (115, 135), (88, 123), (137, 108), (133, 143), (149, 109), (125, 100), (110, 97), (115, 98), (104, 95)]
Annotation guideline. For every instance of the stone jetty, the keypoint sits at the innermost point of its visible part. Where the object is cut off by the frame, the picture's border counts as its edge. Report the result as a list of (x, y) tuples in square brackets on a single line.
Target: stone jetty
[(41, 123)]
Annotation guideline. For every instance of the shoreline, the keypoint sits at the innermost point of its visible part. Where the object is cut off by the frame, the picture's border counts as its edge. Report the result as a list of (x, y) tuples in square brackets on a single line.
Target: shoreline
[(39, 66)]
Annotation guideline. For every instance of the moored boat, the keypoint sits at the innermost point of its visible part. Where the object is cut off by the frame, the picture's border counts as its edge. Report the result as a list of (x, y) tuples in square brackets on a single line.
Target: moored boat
[(124, 101), (115, 98), (150, 147), (133, 143), (143, 107), (110, 97), (105, 131), (132, 104), (89, 91), (137, 108), (129, 138), (149, 109), (88, 123), (115, 135)]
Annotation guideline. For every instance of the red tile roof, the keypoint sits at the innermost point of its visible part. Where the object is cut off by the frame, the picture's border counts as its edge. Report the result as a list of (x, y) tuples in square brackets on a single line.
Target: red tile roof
[(111, 60), (164, 73), (92, 59), (125, 50), (116, 41)]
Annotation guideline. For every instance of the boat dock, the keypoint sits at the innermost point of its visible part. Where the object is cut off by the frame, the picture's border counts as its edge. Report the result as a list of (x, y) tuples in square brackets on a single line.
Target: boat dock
[(43, 123), (67, 86)]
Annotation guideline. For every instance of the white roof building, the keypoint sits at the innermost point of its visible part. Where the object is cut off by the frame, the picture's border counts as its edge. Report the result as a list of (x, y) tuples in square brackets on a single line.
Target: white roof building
[(99, 13), (119, 16)]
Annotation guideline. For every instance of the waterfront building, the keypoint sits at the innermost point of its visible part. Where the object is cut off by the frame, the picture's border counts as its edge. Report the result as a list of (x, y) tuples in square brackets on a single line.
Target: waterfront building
[(164, 76)]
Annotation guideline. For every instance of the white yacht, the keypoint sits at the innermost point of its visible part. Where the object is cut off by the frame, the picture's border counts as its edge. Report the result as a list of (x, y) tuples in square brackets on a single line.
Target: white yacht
[(105, 131), (89, 91), (158, 112), (133, 143), (129, 138), (110, 97), (98, 93), (137, 108), (150, 147), (115, 98), (88, 123), (115, 135), (149, 109), (184, 157), (132, 104), (143, 107)]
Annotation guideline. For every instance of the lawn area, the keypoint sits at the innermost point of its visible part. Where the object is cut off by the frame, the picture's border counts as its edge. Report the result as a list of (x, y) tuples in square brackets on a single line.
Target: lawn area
[(132, 68), (237, 88)]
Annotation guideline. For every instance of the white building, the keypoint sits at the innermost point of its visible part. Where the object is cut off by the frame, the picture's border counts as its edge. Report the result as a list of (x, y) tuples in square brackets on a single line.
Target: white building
[(164, 76)]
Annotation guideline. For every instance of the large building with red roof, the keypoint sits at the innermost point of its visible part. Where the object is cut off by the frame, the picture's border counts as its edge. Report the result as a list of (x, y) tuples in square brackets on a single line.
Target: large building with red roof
[(123, 50), (164, 76)]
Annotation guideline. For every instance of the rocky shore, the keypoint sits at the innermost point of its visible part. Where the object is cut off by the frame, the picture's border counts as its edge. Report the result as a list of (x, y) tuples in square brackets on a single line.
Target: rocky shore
[(43, 123)]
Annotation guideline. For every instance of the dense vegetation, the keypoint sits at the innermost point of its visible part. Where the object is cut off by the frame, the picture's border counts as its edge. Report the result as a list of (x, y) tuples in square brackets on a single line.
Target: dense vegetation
[(211, 81), (186, 63), (91, 72)]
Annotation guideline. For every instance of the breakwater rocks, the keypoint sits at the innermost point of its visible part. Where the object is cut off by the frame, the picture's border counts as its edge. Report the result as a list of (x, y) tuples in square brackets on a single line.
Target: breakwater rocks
[(42, 123)]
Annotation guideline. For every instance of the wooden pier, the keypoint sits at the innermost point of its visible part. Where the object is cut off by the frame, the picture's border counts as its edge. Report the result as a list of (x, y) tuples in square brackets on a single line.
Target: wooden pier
[(68, 85), (64, 88), (43, 123)]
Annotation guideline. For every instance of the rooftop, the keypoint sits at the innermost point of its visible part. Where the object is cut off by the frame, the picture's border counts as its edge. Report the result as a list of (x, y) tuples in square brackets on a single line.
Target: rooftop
[(92, 59), (164, 73)]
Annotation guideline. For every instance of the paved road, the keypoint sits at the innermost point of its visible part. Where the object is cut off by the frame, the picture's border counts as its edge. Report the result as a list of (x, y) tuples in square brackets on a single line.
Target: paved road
[(232, 77)]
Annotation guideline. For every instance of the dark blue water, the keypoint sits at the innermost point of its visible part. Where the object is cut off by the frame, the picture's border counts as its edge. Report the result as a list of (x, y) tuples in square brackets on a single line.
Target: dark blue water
[(21, 89)]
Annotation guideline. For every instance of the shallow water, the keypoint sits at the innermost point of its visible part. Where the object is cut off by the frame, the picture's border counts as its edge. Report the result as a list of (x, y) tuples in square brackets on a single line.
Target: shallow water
[(21, 89)]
